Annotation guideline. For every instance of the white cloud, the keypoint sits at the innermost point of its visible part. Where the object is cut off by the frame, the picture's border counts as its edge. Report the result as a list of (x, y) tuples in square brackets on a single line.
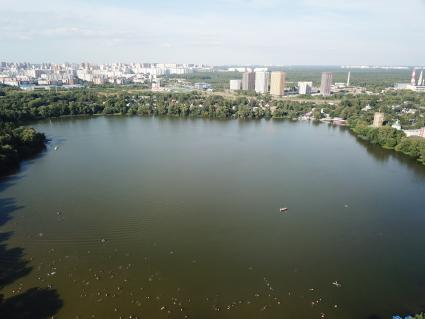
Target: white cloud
[(268, 31), (239, 4)]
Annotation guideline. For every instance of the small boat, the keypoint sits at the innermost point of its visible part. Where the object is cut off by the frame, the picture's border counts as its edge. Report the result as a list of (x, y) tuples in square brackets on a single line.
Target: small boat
[(336, 284), (56, 148), (283, 210)]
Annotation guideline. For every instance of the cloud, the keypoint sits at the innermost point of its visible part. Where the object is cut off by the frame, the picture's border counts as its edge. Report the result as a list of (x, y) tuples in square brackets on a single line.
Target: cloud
[(224, 31), (243, 4)]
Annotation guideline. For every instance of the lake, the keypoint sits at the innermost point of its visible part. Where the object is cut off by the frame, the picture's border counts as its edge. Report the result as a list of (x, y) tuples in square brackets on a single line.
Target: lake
[(169, 218)]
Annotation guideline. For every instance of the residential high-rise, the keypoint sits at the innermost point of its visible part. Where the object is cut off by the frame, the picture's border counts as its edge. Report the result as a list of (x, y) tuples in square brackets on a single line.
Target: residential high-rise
[(235, 85), (325, 86), (378, 119), (248, 81), (413, 80), (262, 81), (277, 83), (305, 87), (420, 81)]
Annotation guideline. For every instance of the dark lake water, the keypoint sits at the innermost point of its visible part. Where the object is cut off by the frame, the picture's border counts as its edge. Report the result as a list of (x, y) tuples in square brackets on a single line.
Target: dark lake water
[(165, 218)]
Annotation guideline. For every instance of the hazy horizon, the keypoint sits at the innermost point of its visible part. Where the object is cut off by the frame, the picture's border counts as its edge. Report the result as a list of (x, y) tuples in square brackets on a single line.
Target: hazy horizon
[(342, 66), (221, 32)]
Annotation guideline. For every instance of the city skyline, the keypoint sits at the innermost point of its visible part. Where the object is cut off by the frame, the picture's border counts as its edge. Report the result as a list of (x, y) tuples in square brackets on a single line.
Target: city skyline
[(233, 32), (228, 66)]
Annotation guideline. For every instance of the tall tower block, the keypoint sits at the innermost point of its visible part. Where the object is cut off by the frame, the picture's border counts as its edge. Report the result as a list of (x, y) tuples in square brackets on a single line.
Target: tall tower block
[(326, 83), (277, 83), (262, 81), (420, 82), (248, 81), (413, 81)]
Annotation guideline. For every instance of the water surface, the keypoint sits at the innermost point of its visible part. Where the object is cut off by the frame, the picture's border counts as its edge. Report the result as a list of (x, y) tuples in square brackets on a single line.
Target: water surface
[(168, 218)]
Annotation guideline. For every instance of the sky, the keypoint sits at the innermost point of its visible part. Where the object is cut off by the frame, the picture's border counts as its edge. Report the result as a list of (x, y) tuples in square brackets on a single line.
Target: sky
[(219, 32)]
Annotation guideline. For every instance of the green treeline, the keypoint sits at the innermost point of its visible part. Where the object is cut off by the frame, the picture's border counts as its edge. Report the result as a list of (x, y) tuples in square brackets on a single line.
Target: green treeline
[(17, 143), (390, 138), (19, 107)]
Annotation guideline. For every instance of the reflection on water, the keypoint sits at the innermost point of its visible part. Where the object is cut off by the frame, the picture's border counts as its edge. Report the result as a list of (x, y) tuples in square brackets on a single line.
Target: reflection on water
[(32, 303), (160, 218)]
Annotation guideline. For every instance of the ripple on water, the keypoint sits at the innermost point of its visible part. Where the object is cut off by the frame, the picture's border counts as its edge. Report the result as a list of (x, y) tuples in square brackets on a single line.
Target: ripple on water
[(92, 234)]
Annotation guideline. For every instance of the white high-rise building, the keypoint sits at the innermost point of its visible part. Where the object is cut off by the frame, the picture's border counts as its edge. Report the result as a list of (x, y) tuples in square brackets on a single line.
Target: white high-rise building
[(262, 81), (413, 81), (305, 87), (235, 85)]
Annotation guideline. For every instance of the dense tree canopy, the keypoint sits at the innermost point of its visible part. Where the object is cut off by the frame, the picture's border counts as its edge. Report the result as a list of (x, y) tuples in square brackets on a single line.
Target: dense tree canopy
[(17, 143)]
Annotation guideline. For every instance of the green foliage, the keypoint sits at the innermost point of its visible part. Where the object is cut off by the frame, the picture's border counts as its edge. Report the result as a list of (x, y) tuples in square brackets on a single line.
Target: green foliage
[(385, 136), (19, 106), (17, 143), (390, 138), (413, 147)]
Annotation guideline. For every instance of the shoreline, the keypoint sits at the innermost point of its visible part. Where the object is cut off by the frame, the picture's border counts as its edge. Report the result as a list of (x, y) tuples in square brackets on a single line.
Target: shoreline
[(15, 168)]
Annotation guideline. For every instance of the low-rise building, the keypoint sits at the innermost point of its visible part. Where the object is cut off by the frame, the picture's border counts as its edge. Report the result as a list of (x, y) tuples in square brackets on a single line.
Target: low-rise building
[(304, 88), (202, 86), (418, 132)]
